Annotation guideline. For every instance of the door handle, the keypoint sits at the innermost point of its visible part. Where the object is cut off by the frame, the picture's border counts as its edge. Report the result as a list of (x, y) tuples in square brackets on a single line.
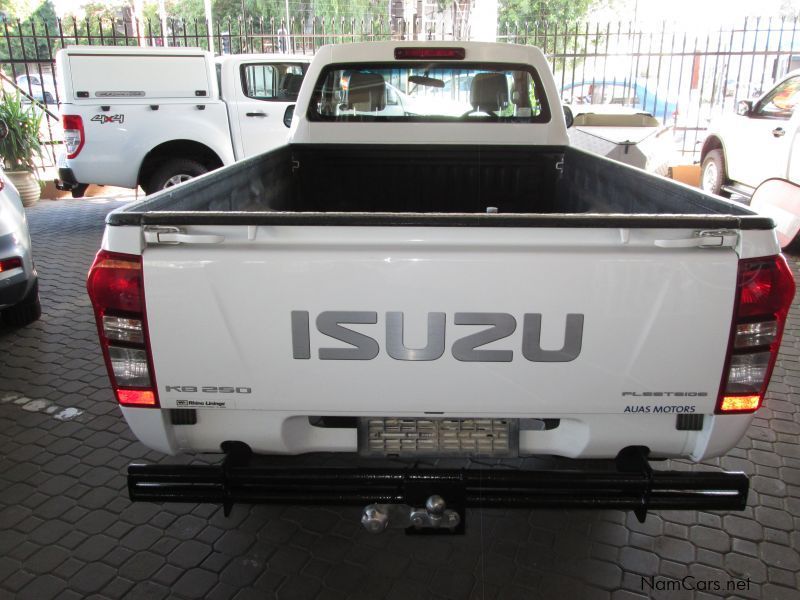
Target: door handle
[(703, 239), (174, 235), (257, 114), (779, 132)]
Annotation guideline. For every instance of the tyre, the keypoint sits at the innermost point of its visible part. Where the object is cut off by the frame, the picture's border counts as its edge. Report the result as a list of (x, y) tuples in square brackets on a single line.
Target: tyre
[(26, 312), (172, 172), (712, 173)]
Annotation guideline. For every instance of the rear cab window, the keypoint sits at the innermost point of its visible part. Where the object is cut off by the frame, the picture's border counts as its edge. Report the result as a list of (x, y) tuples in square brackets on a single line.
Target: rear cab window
[(429, 92)]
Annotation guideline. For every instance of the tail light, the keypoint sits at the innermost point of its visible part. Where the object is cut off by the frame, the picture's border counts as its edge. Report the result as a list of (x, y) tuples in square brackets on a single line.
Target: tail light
[(74, 136), (116, 288), (764, 292), (15, 262), (2, 184)]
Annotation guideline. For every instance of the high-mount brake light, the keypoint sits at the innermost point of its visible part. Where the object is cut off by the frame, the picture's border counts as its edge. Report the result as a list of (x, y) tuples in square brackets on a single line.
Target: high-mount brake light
[(15, 262), (764, 292), (116, 288), (74, 136), (430, 53)]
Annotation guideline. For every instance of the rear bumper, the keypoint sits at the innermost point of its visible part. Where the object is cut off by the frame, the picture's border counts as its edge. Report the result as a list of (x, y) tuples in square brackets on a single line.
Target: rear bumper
[(629, 485), (66, 179), (14, 290), (16, 283), (577, 436)]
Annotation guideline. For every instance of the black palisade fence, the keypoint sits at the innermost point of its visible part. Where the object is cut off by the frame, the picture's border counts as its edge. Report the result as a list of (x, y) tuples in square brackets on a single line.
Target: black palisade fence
[(28, 49), (684, 77)]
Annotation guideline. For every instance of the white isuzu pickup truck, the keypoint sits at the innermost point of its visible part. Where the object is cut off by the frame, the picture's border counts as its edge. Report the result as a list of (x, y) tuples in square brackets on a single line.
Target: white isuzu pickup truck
[(447, 280), (156, 117)]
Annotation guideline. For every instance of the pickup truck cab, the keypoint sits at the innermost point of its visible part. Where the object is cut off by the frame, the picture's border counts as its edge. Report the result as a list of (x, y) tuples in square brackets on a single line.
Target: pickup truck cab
[(437, 283), (757, 143), (157, 117)]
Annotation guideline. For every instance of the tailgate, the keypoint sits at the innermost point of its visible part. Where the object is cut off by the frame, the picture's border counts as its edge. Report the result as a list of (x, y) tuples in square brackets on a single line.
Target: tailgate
[(583, 320)]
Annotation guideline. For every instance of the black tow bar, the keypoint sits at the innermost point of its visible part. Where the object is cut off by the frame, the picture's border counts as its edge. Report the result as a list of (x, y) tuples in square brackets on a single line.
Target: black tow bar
[(633, 485)]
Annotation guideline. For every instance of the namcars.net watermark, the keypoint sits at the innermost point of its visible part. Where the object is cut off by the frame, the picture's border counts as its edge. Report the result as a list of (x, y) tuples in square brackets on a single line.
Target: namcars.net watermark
[(691, 583)]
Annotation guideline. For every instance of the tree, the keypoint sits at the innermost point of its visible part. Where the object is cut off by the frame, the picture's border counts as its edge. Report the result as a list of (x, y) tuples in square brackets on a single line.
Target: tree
[(23, 19), (552, 25), (542, 11), (790, 9), (19, 9), (272, 9)]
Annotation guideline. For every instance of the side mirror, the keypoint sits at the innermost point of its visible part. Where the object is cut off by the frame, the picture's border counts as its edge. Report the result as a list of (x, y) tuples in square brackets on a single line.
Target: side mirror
[(568, 116), (3, 130), (744, 108), (288, 115)]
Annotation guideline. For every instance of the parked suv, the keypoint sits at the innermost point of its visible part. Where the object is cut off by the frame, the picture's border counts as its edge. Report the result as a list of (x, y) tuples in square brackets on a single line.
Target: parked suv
[(745, 149), (19, 287), (156, 117)]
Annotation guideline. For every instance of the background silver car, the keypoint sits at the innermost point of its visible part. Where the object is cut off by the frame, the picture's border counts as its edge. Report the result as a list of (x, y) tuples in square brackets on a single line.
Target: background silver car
[(19, 286)]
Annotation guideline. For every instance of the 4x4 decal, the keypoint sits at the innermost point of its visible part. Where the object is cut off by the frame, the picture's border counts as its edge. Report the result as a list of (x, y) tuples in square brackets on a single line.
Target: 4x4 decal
[(103, 119)]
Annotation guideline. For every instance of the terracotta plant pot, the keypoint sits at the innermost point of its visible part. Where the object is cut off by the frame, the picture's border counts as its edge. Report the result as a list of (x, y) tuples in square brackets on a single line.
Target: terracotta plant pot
[(27, 185)]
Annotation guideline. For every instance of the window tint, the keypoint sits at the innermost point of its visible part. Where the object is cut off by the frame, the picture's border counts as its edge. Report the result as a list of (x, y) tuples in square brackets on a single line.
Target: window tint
[(780, 102), (429, 92), (262, 81)]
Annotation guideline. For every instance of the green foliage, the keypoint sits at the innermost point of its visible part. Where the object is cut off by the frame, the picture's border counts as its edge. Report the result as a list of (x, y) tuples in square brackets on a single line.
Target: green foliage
[(19, 9), (102, 10), (230, 10), (98, 20), (349, 9), (542, 11), (34, 15), (21, 146), (553, 25)]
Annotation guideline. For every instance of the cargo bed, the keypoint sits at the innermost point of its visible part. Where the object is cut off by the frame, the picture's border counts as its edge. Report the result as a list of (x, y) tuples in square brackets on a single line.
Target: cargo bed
[(443, 185)]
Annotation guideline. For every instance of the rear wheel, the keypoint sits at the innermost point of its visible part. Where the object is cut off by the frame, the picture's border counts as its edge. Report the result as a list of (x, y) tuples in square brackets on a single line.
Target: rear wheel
[(712, 173), (172, 172), (26, 312)]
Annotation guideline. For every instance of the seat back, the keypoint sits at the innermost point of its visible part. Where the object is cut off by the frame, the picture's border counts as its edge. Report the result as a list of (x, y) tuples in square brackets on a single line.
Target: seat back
[(366, 92), (290, 85), (489, 92)]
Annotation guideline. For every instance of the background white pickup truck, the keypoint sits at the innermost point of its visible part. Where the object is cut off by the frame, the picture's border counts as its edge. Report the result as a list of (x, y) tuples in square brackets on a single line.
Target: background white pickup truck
[(758, 143), (156, 117), (445, 279)]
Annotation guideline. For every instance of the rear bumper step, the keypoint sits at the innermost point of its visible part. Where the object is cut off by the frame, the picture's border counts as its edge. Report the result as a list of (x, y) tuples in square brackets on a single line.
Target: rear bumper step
[(632, 486)]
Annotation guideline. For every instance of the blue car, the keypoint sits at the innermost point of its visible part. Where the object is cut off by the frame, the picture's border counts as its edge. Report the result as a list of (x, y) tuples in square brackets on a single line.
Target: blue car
[(621, 92)]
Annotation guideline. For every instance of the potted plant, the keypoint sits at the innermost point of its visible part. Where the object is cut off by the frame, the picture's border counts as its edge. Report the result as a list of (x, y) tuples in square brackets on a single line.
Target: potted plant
[(21, 146)]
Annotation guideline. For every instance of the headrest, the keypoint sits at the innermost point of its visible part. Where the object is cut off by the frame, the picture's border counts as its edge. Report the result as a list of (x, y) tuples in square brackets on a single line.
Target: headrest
[(290, 84), (367, 90), (489, 91)]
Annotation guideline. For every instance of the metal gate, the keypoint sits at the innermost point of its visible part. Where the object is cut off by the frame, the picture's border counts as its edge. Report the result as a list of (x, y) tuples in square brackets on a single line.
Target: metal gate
[(683, 77)]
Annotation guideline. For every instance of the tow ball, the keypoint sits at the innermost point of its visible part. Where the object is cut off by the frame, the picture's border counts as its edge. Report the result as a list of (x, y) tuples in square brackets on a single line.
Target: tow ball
[(376, 518)]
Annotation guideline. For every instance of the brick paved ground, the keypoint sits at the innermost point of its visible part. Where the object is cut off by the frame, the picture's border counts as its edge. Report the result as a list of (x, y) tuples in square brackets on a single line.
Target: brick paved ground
[(67, 529)]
